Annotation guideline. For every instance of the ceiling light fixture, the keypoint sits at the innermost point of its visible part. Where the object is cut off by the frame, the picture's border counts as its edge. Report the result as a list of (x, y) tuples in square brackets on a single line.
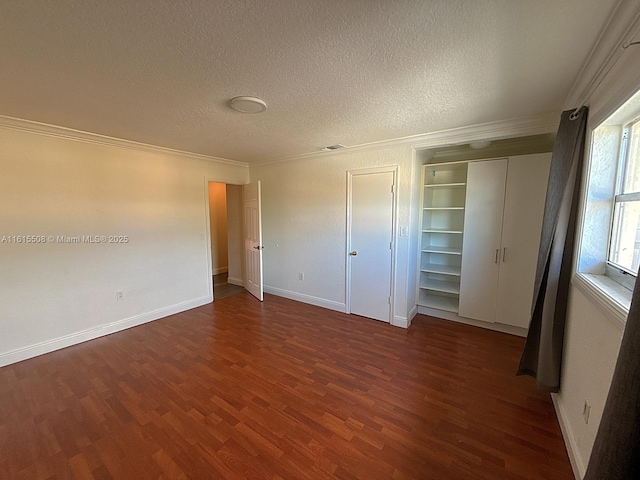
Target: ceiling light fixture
[(480, 144), (248, 104)]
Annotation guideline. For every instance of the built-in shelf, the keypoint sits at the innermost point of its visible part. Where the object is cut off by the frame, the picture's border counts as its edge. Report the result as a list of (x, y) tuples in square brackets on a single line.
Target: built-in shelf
[(440, 286), (443, 208), (443, 250), (442, 219), (453, 270), (446, 185), (440, 230), (440, 302)]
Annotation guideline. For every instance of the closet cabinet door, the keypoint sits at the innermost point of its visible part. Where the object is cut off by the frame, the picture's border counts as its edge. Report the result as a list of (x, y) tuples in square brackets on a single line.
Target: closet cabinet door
[(527, 177), (482, 238)]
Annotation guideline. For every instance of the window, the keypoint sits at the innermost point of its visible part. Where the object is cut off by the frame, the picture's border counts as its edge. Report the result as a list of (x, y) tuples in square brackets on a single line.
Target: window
[(609, 252), (624, 251)]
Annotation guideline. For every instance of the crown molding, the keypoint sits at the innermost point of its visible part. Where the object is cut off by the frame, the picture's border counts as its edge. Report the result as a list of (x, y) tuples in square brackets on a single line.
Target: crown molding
[(526, 145), (540, 124), (47, 130), (517, 127), (547, 123), (621, 28)]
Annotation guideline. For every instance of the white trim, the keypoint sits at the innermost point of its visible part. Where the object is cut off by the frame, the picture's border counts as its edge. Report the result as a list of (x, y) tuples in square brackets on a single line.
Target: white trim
[(47, 346), (301, 297), (412, 313), (517, 127), (235, 281), (219, 270), (453, 317), (398, 321), (207, 232), (45, 129), (597, 292), (207, 237), (394, 216), (571, 445), (404, 322), (621, 27), (540, 124), (503, 129)]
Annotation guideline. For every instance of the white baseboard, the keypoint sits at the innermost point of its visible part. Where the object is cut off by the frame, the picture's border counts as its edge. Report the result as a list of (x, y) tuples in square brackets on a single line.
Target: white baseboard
[(235, 281), (47, 346), (219, 270), (404, 322), (412, 314), (498, 327), (301, 297), (577, 466)]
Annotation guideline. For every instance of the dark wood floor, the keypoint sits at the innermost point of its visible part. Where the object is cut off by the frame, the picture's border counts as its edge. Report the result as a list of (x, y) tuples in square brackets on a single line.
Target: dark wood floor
[(222, 288), (279, 390)]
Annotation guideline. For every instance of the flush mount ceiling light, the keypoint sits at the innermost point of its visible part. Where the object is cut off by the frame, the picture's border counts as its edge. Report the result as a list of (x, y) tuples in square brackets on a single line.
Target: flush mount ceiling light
[(248, 104), (480, 144)]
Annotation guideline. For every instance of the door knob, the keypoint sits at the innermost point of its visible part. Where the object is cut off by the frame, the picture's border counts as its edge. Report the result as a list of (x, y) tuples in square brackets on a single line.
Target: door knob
[(354, 253), (258, 247)]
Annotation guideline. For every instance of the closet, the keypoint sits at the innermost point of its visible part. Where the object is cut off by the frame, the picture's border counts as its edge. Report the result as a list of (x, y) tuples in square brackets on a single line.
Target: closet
[(481, 224)]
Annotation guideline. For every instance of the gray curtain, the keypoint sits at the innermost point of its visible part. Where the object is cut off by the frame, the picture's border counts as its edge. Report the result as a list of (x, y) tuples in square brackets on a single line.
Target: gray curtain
[(616, 451), (542, 356)]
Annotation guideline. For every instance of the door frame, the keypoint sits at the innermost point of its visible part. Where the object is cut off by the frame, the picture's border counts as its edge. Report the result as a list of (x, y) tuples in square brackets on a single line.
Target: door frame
[(207, 233), (394, 220)]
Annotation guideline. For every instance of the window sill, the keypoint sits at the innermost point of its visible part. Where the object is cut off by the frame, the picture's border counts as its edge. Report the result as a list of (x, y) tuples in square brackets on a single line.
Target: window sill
[(610, 295)]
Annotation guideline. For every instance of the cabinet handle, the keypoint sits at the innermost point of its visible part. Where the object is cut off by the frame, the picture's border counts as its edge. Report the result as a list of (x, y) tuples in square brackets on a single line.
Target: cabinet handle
[(497, 254), (504, 253)]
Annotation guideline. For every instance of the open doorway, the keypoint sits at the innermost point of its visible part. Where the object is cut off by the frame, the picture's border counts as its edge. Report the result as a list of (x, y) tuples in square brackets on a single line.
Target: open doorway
[(226, 237)]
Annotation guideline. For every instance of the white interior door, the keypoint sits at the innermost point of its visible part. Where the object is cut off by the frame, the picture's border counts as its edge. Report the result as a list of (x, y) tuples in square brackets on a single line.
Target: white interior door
[(482, 239), (527, 178), (370, 236), (253, 239)]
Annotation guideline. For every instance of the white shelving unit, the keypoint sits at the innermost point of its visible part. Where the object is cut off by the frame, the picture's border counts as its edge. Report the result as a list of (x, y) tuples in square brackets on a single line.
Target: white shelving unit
[(442, 225)]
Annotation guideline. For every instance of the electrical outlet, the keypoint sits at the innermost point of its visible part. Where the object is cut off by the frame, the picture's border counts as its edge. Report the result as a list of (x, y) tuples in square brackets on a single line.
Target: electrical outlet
[(119, 295), (586, 411), (301, 276)]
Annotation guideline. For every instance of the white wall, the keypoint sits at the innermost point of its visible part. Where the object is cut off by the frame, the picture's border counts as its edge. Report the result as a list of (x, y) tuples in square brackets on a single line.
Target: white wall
[(593, 334), (591, 348), (218, 227), (55, 294), (304, 205), (234, 234)]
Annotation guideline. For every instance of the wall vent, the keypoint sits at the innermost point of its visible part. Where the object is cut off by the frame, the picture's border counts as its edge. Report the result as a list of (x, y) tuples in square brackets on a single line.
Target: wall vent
[(331, 148)]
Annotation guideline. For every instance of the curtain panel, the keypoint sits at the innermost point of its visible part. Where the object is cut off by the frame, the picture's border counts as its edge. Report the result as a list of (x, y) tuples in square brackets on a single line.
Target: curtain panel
[(542, 355)]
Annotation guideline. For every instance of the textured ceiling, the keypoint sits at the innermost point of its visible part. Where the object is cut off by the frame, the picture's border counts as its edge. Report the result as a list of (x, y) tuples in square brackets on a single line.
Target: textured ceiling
[(332, 71)]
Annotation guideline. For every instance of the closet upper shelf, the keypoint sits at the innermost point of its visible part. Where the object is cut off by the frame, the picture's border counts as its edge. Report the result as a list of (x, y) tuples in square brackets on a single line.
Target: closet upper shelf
[(443, 208), (445, 185)]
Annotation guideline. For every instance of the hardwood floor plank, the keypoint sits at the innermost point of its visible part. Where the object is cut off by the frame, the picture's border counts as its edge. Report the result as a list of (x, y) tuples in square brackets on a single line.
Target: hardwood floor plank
[(280, 390)]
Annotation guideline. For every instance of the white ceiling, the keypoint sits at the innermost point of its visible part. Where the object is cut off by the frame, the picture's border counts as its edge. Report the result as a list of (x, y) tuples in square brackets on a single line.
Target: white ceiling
[(331, 71)]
